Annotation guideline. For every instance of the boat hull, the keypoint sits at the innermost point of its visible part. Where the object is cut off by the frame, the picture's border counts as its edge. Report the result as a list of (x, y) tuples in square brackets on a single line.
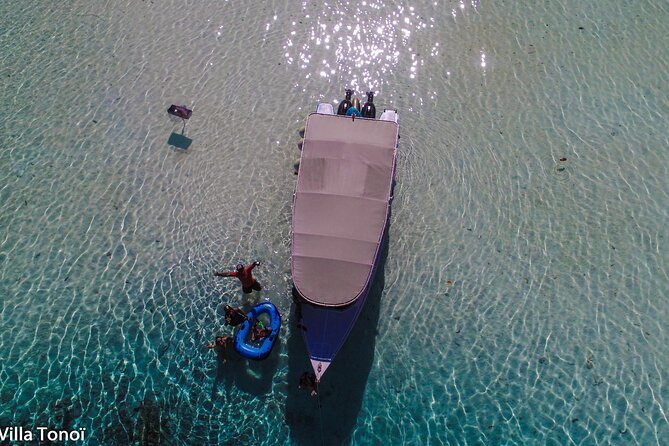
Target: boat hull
[(341, 210)]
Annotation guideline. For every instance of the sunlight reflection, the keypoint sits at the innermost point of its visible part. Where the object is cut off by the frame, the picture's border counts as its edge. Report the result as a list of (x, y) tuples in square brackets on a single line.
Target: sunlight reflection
[(362, 42)]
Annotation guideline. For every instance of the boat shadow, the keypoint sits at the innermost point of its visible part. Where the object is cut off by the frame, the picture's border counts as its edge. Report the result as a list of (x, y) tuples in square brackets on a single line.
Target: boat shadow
[(248, 375), (342, 387)]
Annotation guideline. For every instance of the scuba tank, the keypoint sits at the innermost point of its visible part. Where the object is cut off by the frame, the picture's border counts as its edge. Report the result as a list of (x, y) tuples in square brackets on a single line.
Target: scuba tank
[(346, 103), (354, 109), (369, 110)]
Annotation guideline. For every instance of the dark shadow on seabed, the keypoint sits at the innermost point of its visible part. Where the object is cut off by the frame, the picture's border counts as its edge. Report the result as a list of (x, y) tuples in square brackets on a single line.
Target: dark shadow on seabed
[(250, 376), (343, 385), (179, 141)]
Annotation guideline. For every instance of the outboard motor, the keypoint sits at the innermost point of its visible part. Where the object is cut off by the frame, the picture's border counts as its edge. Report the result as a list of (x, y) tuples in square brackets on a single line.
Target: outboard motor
[(180, 111), (346, 103), (369, 110)]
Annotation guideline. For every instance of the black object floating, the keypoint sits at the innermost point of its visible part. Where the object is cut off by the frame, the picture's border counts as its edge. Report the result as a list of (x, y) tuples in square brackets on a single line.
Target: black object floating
[(180, 111)]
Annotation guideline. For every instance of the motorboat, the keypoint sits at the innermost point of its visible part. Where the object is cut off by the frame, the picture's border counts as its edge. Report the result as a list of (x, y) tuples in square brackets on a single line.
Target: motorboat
[(340, 213)]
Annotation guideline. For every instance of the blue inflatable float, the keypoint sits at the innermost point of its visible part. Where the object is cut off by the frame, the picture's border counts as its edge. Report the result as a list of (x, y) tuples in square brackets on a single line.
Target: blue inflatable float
[(258, 350)]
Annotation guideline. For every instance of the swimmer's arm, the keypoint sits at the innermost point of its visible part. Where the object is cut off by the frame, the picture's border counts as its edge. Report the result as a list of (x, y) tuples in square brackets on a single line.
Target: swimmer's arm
[(225, 274)]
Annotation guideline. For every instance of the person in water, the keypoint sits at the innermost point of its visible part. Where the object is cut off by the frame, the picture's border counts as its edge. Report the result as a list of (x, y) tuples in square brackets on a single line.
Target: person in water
[(220, 347), (243, 273), (308, 380), (234, 316), (354, 110), (259, 332)]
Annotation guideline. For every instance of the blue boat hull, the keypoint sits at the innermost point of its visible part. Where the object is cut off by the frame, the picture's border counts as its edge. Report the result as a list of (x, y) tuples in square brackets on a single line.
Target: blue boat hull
[(325, 329)]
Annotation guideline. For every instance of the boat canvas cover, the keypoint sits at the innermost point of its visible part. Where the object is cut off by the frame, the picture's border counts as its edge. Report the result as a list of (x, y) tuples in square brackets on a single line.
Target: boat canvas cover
[(341, 205)]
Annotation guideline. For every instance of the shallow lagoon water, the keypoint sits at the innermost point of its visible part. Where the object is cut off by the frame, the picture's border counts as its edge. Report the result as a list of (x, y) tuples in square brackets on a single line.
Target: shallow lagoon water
[(523, 294)]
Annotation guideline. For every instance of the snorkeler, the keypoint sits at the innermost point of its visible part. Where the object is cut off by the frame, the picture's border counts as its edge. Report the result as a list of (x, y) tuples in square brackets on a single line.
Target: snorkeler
[(220, 347), (244, 275), (234, 316), (308, 380)]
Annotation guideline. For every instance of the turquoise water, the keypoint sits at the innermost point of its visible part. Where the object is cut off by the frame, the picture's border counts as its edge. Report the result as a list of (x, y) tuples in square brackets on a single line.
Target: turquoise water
[(523, 297)]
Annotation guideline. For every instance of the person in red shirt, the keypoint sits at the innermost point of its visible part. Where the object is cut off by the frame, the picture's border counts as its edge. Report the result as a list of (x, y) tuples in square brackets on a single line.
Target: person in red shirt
[(259, 332), (243, 273)]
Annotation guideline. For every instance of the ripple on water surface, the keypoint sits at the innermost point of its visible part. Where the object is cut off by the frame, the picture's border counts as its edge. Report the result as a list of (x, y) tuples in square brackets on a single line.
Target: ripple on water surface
[(522, 297)]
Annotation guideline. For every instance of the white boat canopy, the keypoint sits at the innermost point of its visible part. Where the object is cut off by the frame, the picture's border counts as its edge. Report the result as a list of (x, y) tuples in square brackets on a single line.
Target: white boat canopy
[(341, 206)]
